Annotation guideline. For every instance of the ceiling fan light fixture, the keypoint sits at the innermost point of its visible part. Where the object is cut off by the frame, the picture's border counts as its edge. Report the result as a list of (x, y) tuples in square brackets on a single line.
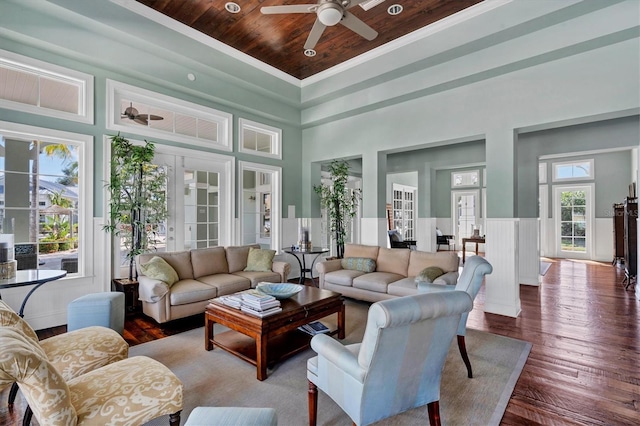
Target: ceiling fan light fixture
[(395, 9), (329, 14), (309, 52)]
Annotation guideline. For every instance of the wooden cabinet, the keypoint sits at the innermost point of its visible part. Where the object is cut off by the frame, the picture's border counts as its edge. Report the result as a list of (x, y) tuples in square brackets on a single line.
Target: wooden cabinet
[(630, 239), (130, 289)]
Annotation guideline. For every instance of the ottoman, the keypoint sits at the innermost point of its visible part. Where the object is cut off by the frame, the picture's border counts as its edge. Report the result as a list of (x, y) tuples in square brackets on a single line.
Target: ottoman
[(105, 309), (232, 416)]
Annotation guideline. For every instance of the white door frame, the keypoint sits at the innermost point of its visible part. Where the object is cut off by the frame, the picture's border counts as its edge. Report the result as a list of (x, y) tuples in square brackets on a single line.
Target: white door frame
[(454, 207)]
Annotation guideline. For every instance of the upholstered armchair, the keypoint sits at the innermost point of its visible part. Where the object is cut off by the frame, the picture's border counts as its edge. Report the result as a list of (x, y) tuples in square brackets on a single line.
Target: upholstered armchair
[(470, 281), (398, 365), (444, 240), (128, 392), (397, 241), (73, 353)]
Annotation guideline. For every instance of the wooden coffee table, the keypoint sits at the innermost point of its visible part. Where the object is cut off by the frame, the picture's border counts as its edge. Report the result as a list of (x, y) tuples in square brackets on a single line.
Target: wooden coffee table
[(265, 341)]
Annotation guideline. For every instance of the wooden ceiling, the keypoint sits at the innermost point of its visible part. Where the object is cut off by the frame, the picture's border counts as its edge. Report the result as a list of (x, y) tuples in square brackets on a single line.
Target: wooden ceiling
[(278, 40)]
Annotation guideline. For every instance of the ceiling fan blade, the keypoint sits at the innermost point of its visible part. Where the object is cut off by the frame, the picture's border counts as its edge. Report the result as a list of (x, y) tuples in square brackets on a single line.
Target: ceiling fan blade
[(357, 26), (140, 120), (293, 8), (314, 35), (149, 117)]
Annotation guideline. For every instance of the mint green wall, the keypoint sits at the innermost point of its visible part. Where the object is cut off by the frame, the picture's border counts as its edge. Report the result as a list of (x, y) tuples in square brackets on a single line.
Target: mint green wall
[(612, 171)]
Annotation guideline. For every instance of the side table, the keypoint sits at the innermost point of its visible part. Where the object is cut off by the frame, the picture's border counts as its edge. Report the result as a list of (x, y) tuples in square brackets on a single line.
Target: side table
[(299, 255), (130, 289)]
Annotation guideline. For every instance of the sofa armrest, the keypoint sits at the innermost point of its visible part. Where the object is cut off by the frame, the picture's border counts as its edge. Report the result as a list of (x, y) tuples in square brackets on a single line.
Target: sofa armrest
[(282, 268), (329, 266), (150, 290), (450, 278)]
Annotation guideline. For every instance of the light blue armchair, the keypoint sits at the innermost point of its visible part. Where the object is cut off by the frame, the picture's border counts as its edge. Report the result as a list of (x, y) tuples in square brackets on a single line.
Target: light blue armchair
[(398, 365), (470, 281)]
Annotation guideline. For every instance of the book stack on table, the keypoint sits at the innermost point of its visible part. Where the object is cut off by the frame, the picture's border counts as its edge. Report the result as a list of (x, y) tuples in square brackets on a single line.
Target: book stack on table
[(314, 328), (252, 302)]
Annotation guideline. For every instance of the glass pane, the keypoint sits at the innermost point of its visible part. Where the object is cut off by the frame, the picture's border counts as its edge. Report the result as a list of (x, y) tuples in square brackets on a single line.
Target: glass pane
[(202, 214), (566, 213), (18, 86), (566, 243), (579, 229), (160, 119), (59, 95), (249, 139), (213, 214), (186, 125), (207, 130), (566, 229)]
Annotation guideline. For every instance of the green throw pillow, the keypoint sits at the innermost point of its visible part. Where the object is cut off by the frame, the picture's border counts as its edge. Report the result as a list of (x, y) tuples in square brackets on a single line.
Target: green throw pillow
[(260, 260), (363, 264), (158, 269), (429, 274)]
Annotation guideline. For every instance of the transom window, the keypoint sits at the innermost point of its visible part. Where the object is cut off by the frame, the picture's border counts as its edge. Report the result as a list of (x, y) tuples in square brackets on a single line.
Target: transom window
[(41, 88), (578, 170), (468, 178), (132, 109), (260, 139)]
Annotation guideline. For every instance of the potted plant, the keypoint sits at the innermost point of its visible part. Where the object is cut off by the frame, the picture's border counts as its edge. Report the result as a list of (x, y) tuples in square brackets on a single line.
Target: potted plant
[(341, 202), (137, 190)]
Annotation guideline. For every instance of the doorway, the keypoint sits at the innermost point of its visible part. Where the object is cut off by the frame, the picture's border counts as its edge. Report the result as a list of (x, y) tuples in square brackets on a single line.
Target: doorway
[(573, 213), (465, 209)]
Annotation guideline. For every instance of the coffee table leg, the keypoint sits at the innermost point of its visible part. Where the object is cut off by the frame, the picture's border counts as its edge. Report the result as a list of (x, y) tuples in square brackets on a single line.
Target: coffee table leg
[(341, 327), (208, 333), (261, 357)]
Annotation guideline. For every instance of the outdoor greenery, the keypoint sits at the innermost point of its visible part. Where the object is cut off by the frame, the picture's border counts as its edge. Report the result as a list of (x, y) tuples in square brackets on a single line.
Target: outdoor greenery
[(137, 190), (341, 202)]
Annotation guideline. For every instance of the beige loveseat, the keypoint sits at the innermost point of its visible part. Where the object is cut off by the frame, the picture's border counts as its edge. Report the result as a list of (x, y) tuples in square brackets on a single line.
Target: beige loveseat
[(394, 275), (202, 275)]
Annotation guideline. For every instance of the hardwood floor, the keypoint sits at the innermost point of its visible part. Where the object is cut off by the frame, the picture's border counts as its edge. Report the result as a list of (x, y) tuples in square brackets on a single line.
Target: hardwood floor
[(584, 367)]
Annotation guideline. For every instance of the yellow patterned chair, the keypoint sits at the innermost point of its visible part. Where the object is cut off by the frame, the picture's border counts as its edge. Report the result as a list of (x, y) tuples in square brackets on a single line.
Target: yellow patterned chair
[(73, 353), (128, 392)]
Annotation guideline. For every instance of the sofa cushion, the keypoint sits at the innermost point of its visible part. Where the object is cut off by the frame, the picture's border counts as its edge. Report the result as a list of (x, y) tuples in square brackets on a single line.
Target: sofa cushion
[(342, 277), (158, 269), (179, 260), (395, 261), (189, 291), (360, 250), (363, 264), (209, 261), (404, 287), (237, 257), (226, 283), (429, 274), (447, 261), (259, 260), (376, 281), (255, 277)]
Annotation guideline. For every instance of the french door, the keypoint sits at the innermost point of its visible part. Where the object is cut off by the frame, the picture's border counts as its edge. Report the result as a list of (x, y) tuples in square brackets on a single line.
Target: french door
[(573, 214), (465, 210), (199, 200)]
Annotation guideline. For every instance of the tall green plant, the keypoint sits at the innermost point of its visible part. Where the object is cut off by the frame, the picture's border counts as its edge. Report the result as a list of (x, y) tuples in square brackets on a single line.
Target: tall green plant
[(341, 202), (138, 202)]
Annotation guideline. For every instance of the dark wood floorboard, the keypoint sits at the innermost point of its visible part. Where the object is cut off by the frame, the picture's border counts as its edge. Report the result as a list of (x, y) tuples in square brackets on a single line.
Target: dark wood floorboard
[(584, 367)]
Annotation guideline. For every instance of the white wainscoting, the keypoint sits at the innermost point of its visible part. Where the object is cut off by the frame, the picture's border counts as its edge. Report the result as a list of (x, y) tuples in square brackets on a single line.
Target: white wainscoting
[(603, 239), (529, 256), (426, 234), (502, 291)]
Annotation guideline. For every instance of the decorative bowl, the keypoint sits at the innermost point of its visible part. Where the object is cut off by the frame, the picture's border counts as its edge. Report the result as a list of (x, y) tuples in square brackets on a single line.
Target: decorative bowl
[(279, 290)]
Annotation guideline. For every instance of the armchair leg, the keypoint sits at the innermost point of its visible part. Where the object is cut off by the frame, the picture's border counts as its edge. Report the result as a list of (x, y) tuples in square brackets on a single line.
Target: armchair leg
[(174, 419), (434, 413), (313, 403), (13, 392), (463, 352)]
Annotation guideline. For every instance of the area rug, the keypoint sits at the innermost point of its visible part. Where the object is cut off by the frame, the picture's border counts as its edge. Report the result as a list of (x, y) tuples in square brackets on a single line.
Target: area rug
[(217, 378), (544, 267)]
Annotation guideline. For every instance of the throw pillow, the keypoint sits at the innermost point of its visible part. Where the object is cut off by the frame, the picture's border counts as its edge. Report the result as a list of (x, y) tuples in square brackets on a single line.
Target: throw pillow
[(429, 274), (363, 264), (260, 260), (158, 269)]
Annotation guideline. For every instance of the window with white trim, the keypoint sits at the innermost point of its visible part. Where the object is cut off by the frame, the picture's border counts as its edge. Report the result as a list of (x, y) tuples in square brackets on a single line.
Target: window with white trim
[(461, 179), (147, 113), (37, 87), (260, 139), (575, 170), (46, 188)]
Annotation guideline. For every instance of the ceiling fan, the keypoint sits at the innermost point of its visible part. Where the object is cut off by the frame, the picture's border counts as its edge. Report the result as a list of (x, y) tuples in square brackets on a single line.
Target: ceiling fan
[(132, 114), (329, 13)]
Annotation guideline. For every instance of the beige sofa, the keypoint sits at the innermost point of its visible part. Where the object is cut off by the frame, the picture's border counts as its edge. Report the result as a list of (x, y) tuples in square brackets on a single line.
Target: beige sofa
[(203, 274), (394, 274)]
